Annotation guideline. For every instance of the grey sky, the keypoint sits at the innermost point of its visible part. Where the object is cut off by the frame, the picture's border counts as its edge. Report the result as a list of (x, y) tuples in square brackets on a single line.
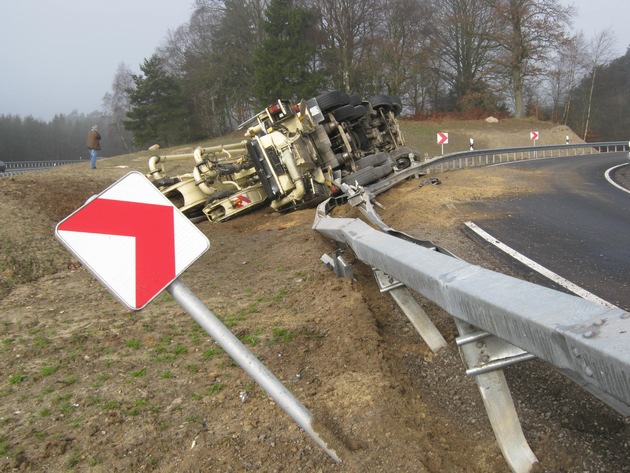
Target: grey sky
[(61, 55)]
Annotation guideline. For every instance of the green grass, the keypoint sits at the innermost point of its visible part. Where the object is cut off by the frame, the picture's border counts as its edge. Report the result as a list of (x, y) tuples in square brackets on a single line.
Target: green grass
[(6, 450), (180, 349), (282, 335), (215, 388), (70, 380), (49, 370), (137, 407), (139, 373), (40, 341), (212, 353), (111, 405), (16, 378), (132, 343)]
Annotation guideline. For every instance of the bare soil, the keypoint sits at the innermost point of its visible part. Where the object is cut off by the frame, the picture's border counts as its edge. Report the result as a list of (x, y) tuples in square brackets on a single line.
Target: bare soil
[(87, 385)]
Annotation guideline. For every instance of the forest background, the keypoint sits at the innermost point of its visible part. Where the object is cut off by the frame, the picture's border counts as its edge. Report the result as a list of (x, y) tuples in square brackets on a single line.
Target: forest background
[(453, 58)]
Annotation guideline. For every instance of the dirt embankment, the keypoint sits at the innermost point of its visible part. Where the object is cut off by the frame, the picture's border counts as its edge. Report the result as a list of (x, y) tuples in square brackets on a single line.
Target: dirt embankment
[(90, 386)]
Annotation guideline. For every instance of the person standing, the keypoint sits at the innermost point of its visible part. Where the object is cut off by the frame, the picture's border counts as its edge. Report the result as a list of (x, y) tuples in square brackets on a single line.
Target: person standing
[(93, 145)]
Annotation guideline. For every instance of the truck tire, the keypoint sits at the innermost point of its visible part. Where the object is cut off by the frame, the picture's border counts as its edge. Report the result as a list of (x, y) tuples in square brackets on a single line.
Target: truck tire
[(382, 101), (368, 175), (374, 160), (403, 157), (397, 105), (331, 100), (349, 112), (389, 102), (355, 99)]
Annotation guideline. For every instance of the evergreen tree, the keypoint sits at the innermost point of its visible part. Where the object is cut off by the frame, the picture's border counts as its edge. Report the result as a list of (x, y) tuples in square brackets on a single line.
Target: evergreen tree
[(158, 108), (285, 64)]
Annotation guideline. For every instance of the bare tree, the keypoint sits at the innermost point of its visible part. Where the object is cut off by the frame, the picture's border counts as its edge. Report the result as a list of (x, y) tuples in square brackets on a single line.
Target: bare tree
[(348, 29), (531, 31), (116, 104), (402, 48), (566, 73), (465, 43), (599, 53)]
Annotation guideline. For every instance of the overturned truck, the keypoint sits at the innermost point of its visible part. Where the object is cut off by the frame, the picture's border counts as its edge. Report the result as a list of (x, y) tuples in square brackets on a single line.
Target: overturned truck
[(294, 155)]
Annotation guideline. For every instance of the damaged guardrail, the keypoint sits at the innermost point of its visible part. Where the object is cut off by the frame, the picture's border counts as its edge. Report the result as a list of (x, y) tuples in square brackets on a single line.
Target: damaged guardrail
[(515, 320)]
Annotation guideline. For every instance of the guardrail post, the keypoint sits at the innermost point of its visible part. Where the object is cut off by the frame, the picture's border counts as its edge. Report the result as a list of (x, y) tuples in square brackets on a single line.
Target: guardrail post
[(500, 408), (410, 307)]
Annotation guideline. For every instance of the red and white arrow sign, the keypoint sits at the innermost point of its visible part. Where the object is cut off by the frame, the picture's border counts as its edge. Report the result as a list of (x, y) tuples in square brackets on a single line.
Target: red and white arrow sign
[(442, 138), (132, 239), (533, 135)]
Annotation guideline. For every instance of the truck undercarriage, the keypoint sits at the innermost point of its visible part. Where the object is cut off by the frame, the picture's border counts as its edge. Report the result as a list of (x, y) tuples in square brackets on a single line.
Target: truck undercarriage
[(294, 155)]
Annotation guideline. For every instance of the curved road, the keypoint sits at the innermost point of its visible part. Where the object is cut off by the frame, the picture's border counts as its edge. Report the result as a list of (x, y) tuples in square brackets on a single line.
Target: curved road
[(579, 227)]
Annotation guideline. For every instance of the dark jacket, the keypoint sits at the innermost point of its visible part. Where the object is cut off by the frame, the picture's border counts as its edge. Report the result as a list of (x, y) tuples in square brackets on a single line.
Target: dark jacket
[(94, 140)]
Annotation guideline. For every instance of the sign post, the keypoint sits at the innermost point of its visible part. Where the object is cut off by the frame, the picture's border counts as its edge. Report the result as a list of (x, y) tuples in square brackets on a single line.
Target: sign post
[(137, 243), (442, 139), (533, 135)]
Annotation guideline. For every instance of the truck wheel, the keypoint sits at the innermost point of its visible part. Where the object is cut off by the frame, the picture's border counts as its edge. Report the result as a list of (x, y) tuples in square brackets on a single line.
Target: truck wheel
[(332, 100), (403, 157), (349, 112), (397, 105), (355, 99), (374, 160), (368, 175), (381, 101)]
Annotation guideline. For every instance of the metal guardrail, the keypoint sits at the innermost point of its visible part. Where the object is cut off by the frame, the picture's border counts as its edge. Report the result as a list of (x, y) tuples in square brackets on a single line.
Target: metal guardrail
[(20, 165), (487, 157), (511, 319), (14, 168)]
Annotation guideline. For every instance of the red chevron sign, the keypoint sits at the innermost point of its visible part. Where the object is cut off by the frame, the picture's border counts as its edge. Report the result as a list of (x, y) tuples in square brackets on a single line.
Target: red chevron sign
[(132, 239), (533, 135), (442, 138)]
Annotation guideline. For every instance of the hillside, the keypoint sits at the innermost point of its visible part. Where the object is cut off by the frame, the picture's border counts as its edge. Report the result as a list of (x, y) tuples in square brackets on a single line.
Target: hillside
[(91, 386)]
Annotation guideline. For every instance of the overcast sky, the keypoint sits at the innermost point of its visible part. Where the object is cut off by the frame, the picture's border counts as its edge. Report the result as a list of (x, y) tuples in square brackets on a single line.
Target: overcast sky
[(60, 55)]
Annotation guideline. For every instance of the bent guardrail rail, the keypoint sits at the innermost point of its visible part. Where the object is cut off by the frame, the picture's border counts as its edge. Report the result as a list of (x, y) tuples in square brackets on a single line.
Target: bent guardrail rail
[(586, 341), (486, 157)]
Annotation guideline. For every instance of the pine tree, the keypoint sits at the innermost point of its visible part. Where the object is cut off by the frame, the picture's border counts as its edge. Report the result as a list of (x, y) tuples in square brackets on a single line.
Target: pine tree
[(158, 108), (285, 64)]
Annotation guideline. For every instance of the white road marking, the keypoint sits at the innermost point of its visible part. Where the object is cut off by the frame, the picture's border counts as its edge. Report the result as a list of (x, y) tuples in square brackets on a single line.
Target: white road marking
[(577, 290), (609, 179)]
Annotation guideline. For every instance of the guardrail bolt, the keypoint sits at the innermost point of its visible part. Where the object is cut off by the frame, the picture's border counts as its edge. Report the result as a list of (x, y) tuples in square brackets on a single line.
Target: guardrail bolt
[(589, 334), (599, 323), (625, 316), (588, 371)]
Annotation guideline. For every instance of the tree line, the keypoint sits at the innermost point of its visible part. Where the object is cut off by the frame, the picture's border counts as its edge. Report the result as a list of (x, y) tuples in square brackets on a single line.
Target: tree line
[(466, 58), (62, 138)]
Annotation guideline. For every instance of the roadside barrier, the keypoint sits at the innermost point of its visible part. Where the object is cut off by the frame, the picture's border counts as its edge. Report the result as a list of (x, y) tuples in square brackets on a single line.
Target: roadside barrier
[(501, 320), (486, 157)]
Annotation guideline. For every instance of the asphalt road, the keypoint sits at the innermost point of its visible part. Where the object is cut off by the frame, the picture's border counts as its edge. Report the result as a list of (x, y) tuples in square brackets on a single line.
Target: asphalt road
[(579, 228)]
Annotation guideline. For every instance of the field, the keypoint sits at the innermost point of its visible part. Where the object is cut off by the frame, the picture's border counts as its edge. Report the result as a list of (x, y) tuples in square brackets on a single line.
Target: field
[(87, 385)]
